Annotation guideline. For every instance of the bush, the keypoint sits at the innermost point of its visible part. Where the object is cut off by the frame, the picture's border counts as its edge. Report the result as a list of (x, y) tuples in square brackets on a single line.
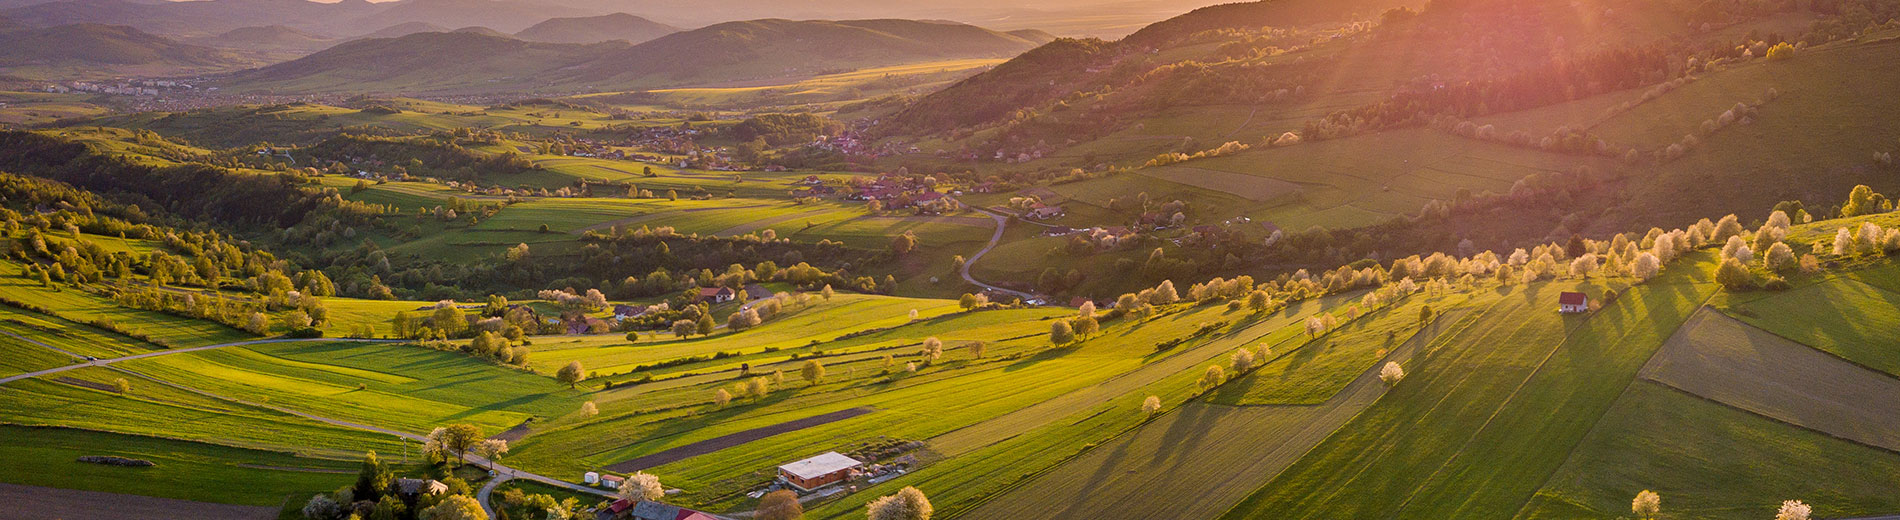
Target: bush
[(304, 333), (1775, 283)]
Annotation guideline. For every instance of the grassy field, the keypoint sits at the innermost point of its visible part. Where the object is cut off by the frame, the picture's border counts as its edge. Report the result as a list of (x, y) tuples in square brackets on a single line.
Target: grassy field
[(1311, 372), (157, 410), (1710, 461), (1724, 360), (186, 470), (1217, 453), (30, 108), (1845, 317), (1471, 427), (957, 395), (798, 328), (402, 387), (1814, 142), (18, 356), (1336, 183), (77, 305)]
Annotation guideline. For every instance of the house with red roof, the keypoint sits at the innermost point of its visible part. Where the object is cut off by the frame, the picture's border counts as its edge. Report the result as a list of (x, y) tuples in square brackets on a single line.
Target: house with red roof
[(1573, 303), (716, 294)]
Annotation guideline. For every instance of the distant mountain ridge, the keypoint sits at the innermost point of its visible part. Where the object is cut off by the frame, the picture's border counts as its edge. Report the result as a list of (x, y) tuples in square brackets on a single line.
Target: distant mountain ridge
[(267, 38), (593, 29), (420, 62), (734, 51), (99, 44)]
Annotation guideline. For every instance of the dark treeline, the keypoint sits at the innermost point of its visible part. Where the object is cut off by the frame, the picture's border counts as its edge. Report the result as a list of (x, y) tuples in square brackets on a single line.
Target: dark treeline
[(190, 190)]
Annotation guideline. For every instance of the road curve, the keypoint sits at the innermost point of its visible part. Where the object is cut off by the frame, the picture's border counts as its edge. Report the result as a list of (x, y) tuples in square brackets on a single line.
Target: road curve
[(996, 237)]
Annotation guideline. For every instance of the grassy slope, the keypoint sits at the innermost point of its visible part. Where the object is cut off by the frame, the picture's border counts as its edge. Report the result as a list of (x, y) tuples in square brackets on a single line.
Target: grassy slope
[(1313, 371), (157, 410), (1710, 461), (73, 304), (1432, 423), (1533, 433), (186, 470), (1844, 317), (1814, 142), (404, 387)]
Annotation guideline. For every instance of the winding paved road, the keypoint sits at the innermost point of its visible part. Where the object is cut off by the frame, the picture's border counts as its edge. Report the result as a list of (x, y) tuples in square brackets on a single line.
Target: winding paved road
[(996, 237)]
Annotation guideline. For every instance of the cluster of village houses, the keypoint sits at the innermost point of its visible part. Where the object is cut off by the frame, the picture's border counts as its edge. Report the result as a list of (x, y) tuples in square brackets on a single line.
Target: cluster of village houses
[(137, 87)]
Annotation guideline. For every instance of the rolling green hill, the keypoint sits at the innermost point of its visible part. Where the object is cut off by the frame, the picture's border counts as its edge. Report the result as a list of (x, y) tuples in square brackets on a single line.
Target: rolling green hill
[(268, 38), (421, 62), (94, 44), (592, 29), (737, 51)]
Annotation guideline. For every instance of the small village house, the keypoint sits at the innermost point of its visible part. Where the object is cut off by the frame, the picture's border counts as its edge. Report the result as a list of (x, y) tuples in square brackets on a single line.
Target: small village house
[(612, 481), (1573, 303), (716, 294), (825, 469)]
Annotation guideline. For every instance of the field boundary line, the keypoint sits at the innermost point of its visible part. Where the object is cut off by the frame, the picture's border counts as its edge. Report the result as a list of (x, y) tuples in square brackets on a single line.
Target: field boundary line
[(1672, 388), (1569, 335), (37, 342), (1805, 344), (1487, 332), (1619, 397)]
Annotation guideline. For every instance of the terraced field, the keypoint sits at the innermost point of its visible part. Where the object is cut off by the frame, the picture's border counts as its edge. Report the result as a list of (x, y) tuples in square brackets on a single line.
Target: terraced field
[(403, 387)]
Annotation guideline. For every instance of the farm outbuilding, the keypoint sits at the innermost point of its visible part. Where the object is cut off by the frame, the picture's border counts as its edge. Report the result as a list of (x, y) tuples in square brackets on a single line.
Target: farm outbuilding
[(612, 481), (1573, 303), (820, 471), (420, 486)]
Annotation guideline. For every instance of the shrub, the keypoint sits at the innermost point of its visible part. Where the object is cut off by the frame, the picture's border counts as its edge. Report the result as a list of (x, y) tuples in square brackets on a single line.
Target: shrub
[(304, 332), (1775, 283), (1780, 51)]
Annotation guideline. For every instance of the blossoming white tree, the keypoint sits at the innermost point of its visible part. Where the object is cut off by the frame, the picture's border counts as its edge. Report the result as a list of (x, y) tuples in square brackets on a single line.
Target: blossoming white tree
[(1391, 373)]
